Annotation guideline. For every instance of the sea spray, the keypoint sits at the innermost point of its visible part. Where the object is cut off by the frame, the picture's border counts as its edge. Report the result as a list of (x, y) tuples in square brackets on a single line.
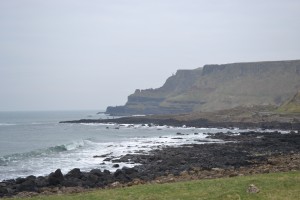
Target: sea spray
[(40, 148)]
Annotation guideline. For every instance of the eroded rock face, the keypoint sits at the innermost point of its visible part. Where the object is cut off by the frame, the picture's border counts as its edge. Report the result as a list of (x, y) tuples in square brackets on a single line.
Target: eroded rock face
[(150, 101), (217, 87)]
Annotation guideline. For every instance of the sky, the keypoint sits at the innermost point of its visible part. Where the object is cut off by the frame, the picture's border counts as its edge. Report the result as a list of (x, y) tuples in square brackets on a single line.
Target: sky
[(79, 55)]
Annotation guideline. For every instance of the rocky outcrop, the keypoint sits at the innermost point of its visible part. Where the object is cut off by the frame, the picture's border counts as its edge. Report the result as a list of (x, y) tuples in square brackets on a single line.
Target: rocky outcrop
[(217, 87), (242, 154), (149, 101)]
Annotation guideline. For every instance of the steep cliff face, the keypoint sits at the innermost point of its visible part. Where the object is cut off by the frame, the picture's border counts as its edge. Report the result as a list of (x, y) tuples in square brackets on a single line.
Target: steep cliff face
[(216, 87), (149, 101)]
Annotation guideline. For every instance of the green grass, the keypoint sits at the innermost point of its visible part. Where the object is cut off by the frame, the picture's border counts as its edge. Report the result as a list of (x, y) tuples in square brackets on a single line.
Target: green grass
[(292, 105), (290, 108), (272, 186)]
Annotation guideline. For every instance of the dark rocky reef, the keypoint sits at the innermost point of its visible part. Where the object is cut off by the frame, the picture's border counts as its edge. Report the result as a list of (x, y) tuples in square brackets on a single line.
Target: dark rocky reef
[(247, 153), (217, 87), (264, 117)]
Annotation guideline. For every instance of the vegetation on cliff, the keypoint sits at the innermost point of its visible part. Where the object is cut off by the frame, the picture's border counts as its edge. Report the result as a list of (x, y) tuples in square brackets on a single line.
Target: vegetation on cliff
[(217, 87), (292, 105)]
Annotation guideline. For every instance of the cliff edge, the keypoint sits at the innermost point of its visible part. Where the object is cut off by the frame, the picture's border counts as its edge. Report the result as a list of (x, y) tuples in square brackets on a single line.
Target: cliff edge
[(217, 87)]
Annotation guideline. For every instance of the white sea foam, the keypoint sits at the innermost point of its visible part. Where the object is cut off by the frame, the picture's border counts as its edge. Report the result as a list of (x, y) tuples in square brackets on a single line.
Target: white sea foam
[(90, 153), (81, 154), (7, 124)]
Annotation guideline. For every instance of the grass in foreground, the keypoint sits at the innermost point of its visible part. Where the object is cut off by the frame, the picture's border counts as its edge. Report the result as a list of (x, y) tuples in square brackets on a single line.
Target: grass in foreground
[(272, 186)]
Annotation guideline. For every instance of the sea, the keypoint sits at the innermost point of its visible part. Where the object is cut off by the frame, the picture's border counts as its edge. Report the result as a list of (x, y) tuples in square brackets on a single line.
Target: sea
[(35, 143)]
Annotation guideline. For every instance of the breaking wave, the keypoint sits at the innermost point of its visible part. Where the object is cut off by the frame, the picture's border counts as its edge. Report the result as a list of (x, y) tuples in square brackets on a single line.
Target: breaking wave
[(4, 160), (7, 124)]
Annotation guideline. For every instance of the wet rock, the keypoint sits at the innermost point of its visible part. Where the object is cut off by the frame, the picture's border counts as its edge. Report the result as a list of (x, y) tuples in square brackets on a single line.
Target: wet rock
[(74, 173), (107, 159), (2, 184), (129, 171), (73, 182), (90, 180), (41, 181), (116, 165), (56, 178), (96, 172), (121, 176), (102, 156), (20, 180), (3, 191), (244, 154), (28, 185)]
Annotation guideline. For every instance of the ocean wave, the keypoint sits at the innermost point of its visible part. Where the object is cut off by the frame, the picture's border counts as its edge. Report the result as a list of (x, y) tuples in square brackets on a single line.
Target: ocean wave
[(7, 124), (4, 160), (42, 123), (91, 124)]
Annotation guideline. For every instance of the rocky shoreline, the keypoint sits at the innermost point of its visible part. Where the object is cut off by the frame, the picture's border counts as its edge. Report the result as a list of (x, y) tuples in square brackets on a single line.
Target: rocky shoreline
[(199, 123), (264, 117), (243, 154)]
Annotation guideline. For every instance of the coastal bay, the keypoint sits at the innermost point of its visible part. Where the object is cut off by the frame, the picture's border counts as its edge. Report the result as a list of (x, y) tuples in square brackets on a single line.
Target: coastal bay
[(240, 154)]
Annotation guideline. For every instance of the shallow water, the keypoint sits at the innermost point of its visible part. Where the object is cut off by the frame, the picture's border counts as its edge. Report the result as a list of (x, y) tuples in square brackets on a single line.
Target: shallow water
[(34, 143)]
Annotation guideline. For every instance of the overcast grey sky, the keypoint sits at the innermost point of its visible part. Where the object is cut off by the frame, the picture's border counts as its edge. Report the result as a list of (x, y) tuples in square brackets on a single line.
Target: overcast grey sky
[(78, 54)]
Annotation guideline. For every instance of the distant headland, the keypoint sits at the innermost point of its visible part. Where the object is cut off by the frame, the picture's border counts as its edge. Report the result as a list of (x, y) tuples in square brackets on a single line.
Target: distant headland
[(217, 87)]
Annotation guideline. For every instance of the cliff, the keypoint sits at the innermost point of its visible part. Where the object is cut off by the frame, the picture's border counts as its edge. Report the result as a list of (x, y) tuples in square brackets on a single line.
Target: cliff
[(217, 87), (292, 105)]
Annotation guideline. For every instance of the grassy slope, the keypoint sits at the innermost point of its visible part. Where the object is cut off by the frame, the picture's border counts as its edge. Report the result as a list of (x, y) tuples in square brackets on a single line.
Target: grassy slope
[(292, 105), (272, 186)]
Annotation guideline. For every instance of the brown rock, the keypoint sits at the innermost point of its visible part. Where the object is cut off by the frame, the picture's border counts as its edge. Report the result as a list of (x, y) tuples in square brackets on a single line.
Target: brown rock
[(252, 189), (116, 184)]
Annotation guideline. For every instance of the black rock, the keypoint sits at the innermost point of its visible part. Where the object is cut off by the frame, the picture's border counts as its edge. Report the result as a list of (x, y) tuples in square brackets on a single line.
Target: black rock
[(116, 165), (55, 178), (41, 181), (28, 185), (121, 176), (129, 171), (118, 173), (72, 182), (74, 173), (96, 172), (90, 180), (169, 160), (3, 191), (20, 180)]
